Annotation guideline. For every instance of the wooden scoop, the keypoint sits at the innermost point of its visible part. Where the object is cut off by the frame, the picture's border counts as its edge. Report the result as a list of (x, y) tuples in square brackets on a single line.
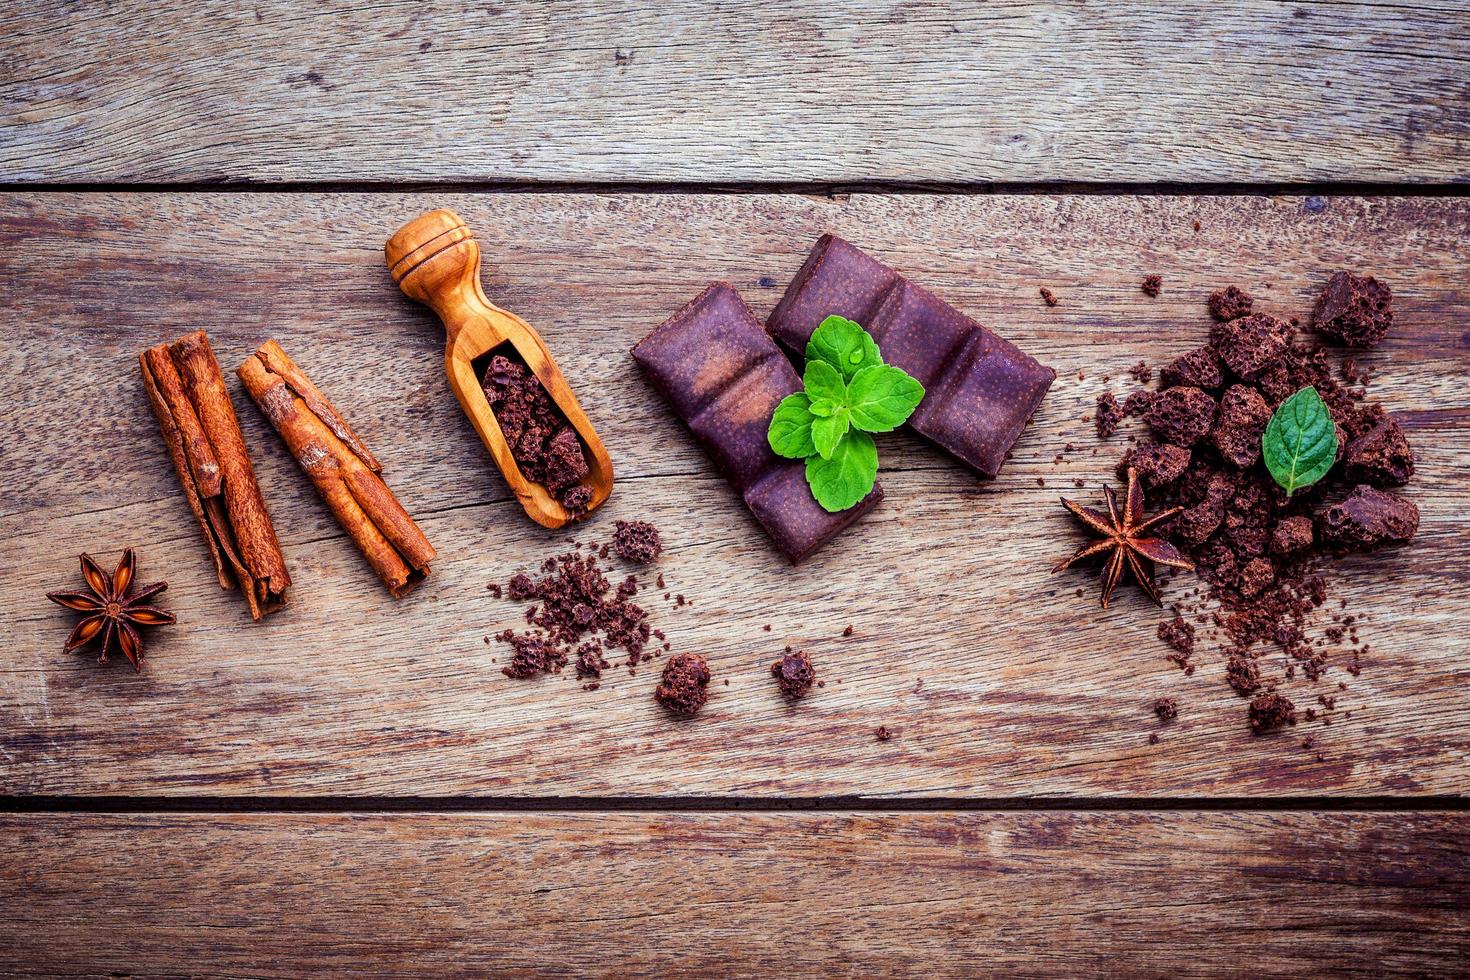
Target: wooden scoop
[(436, 260)]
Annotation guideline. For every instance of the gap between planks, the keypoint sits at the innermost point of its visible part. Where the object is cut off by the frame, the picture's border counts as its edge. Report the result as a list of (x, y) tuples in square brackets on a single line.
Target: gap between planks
[(1346, 188), (725, 804)]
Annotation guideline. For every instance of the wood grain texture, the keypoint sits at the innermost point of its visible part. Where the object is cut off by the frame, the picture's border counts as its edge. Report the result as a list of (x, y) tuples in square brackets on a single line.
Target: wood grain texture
[(822, 90), (719, 894), (1026, 688)]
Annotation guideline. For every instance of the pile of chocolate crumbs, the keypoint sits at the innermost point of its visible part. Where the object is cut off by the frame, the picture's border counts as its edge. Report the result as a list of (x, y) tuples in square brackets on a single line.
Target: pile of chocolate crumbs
[(578, 617), (544, 444), (1261, 555)]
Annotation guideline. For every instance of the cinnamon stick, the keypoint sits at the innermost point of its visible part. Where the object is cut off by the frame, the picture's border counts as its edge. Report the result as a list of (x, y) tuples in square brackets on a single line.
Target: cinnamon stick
[(187, 391), (344, 471)]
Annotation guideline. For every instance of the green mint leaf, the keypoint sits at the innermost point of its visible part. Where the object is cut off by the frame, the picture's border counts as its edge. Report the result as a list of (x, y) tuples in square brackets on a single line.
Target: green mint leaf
[(790, 434), (844, 345), (823, 408), (882, 398), (1300, 442), (847, 477), (824, 383), (826, 432)]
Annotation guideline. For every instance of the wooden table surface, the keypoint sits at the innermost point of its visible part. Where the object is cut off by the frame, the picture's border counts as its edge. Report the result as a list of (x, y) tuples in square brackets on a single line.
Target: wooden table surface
[(353, 786)]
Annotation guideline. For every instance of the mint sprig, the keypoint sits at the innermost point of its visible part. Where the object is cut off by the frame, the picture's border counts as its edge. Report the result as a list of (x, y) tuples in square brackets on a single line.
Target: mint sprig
[(849, 393), (1300, 442)]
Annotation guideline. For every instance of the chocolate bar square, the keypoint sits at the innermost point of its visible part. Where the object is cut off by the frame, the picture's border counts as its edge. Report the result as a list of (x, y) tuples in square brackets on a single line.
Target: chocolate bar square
[(724, 376), (980, 389)]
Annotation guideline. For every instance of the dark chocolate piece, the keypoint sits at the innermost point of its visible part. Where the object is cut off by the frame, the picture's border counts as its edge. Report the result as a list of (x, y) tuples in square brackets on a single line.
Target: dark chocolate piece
[(1381, 456), (724, 377), (1368, 518), (1241, 420), (1356, 311), (1250, 344), (1230, 303), (1181, 416), (1197, 369), (980, 390)]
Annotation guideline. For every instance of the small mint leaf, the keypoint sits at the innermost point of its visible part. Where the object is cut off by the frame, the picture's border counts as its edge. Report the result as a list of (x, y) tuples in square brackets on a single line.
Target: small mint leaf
[(882, 398), (790, 434), (847, 477), (827, 432), (844, 345), (824, 383), (1300, 442), (822, 408)]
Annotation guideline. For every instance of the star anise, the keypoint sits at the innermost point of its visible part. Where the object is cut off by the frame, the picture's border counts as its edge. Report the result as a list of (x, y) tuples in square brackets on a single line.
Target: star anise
[(115, 614), (1125, 535)]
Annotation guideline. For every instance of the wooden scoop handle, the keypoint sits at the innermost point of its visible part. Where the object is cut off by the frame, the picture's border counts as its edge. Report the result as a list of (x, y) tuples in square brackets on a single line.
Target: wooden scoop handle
[(436, 260)]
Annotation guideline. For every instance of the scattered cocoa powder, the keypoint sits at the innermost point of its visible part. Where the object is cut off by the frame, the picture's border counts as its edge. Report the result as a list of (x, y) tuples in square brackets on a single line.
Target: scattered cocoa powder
[(577, 615)]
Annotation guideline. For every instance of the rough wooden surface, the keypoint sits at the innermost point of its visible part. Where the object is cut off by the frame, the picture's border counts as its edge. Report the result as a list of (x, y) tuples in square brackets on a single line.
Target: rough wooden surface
[(720, 894), (1000, 681), (686, 91)]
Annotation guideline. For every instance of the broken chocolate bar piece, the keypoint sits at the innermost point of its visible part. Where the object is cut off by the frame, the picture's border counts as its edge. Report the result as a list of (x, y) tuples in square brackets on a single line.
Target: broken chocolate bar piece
[(724, 376), (980, 390)]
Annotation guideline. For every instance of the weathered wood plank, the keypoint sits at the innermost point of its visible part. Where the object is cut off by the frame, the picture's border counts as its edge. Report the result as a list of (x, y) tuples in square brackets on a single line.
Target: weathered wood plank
[(686, 91), (720, 894), (1026, 689)]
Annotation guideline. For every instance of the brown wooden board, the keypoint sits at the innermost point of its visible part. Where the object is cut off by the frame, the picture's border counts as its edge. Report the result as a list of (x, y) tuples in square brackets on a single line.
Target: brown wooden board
[(823, 90), (1000, 681), (730, 894)]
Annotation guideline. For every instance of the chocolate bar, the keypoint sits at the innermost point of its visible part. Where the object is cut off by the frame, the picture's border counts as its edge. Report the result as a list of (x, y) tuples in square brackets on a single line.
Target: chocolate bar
[(980, 390), (723, 375)]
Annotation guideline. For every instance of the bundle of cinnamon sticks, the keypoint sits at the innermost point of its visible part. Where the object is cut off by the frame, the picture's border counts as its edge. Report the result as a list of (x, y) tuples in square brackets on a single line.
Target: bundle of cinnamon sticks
[(200, 429), (187, 391)]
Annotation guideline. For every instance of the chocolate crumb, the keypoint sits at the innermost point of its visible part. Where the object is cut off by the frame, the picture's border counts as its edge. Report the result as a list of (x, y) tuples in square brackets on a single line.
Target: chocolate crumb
[(683, 689), (1048, 296), (847, 632), (1243, 675), (637, 541), (1178, 634), (1152, 285), (794, 674), (1109, 415), (1166, 708), (884, 733), (1270, 712)]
